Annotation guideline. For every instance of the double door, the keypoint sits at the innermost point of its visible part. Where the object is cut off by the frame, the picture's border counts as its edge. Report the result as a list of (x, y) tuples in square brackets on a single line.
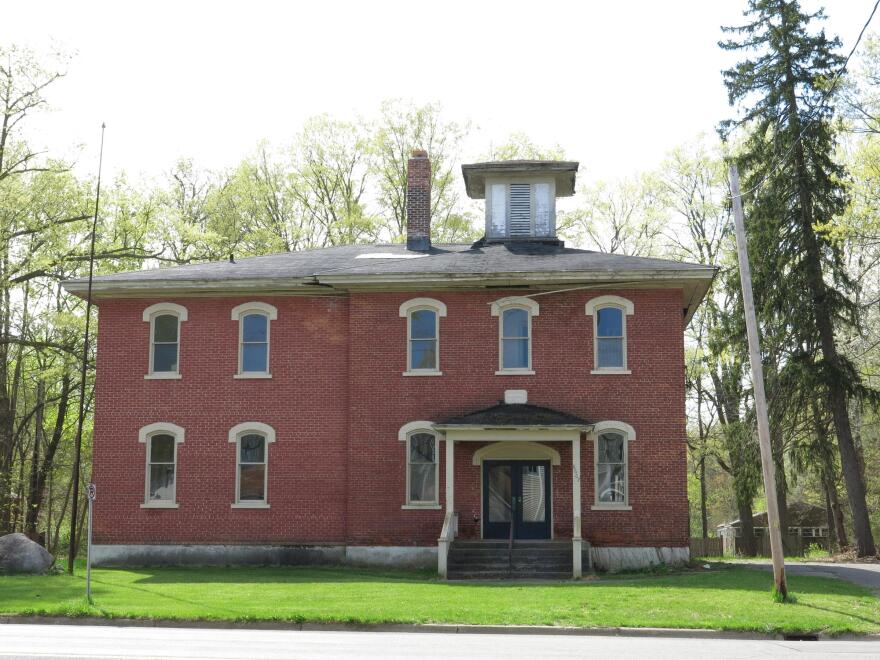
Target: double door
[(517, 494)]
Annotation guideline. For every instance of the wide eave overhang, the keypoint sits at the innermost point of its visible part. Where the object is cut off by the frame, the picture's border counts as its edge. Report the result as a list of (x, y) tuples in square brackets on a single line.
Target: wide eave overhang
[(694, 283)]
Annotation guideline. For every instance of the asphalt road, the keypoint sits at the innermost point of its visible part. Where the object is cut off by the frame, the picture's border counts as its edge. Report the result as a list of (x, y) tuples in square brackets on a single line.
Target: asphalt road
[(866, 575), (64, 641)]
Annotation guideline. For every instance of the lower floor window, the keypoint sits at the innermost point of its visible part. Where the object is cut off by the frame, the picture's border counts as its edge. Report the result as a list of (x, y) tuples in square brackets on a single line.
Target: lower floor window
[(160, 468), (611, 469), (422, 469), (251, 468)]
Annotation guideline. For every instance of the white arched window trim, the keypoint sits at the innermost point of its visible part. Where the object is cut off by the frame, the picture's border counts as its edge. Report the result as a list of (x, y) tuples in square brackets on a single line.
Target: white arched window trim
[(238, 314), (406, 310), (628, 309), (403, 435), (144, 435), (235, 435), (498, 308), (149, 316), (629, 434)]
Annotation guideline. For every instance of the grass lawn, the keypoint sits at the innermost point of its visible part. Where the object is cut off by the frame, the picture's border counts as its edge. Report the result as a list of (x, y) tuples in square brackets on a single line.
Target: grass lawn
[(735, 598)]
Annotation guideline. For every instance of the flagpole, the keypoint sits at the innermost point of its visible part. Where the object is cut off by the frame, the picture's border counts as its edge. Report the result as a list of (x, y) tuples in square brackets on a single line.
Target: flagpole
[(77, 448)]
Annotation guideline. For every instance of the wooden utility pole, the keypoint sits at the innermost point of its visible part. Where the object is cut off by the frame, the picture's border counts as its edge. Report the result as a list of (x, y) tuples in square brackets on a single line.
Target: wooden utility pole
[(767, 465)]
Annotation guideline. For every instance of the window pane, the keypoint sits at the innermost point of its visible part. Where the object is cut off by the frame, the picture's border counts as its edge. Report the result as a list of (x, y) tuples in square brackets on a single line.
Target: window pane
[(254, 328), (421, 448), (609, 353), (610, 448), (254, 357), (253, 449), (165, 328), (610, 322), (499, 493), (421, 482), (162, 482), (542, 209), (498, 224), (516, 354), (534, 505), (165, 357), (612, 487), (162, 449), (423, 324), (424, 354), (516, 323), (251, 482)]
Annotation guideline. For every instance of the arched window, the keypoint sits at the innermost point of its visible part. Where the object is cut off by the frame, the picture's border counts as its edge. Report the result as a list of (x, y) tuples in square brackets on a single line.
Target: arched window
[(422, 336), (422, 473), (611, 458), (252, 441), (253, 338), (515, 334), (164, 320), (609, 333), (160, 484)]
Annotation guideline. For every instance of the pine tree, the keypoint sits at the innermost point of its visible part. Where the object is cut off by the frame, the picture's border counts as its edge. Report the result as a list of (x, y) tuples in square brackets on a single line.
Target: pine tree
[(802, 290)]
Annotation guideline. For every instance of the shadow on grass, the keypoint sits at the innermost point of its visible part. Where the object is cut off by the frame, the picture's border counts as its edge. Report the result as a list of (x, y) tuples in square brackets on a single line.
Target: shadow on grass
[(724, 578)]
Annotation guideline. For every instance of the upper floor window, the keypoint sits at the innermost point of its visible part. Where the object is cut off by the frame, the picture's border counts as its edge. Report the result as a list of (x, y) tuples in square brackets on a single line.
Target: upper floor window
[(521, 209), (422, 335), (160, 484), (611, 452), (251, 463), (253, 338), (609, 333), (164, 320), (515, 334)]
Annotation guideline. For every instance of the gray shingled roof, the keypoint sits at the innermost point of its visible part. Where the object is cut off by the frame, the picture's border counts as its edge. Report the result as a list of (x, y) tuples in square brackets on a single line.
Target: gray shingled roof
[(515, 414), (350, 260)]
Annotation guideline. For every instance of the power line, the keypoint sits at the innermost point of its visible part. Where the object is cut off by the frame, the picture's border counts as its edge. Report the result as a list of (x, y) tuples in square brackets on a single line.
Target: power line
[(831, 87)]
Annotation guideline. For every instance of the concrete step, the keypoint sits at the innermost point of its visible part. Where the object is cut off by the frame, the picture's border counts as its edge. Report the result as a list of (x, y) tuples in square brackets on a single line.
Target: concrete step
[(508, 575)]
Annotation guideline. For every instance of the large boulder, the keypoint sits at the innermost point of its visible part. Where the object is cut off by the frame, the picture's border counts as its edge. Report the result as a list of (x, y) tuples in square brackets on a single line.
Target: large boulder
[(18, 554)]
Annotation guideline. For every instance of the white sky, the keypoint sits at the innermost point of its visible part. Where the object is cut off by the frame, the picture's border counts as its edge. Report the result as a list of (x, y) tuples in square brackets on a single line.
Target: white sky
[(616, 83)]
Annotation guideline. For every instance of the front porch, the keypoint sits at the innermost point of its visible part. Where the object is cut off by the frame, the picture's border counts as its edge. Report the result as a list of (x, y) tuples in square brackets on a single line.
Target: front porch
[(528, 521)]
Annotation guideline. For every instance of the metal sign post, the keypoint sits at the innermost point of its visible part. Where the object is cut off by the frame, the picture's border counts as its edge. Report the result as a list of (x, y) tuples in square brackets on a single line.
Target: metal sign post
[(91, 491)]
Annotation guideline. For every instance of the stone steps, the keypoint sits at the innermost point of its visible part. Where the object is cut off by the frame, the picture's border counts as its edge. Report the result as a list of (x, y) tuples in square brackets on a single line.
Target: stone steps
[(492, 560)]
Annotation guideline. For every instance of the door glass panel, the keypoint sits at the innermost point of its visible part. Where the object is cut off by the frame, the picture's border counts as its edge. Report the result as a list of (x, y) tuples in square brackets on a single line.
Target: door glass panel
[(499, 493), (534, 504)]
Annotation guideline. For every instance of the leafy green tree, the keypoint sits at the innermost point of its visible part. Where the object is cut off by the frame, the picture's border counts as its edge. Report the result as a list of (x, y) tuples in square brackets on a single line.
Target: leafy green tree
[(793, 184), (519, 146), (623, 217)]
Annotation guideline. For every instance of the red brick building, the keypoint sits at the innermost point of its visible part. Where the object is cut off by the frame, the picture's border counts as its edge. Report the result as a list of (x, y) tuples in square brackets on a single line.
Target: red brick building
[(400, 404)]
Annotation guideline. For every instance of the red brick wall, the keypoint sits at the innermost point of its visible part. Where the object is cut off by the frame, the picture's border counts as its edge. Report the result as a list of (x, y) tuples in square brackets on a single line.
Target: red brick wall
[(337, 399)]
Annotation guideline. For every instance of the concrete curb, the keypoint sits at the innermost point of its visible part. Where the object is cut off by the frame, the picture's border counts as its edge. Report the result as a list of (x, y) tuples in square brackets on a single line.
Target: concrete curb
[(341, 626)]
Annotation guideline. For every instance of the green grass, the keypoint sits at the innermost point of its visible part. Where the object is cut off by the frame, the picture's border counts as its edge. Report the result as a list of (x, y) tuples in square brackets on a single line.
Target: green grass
[(734, 598)]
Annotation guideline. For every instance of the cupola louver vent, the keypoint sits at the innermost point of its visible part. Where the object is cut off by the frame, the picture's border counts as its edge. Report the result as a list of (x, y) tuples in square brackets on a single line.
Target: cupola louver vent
[(520, 209)]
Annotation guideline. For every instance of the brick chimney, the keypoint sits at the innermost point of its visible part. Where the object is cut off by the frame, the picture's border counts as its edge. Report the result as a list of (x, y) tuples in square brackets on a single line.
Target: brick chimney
[(418, 202)]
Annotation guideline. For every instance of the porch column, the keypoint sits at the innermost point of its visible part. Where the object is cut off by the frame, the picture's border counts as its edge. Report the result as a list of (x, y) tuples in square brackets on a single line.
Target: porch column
[(576, 541), (450, 475)]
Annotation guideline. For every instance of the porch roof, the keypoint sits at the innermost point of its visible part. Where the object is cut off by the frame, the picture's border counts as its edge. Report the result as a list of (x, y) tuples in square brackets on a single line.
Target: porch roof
[(515, 415)]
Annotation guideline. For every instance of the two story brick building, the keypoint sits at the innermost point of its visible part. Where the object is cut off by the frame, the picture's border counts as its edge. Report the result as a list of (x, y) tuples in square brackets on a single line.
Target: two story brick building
[(404, 404)]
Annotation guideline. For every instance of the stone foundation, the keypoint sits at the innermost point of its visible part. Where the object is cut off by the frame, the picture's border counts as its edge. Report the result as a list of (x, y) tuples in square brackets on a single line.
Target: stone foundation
[(631, 559), (262, 555)]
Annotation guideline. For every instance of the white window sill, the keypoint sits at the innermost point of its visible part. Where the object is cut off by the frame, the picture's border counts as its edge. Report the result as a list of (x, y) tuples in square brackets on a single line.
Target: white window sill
[(253, 375), (162, 375), (160, 505), (415, 507), (250, 505), (610, 507), (605, 372), (423, 372), (515, 372)]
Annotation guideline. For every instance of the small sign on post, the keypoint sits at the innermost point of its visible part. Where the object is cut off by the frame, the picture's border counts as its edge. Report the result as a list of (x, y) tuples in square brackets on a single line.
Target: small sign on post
[(91, 492)]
